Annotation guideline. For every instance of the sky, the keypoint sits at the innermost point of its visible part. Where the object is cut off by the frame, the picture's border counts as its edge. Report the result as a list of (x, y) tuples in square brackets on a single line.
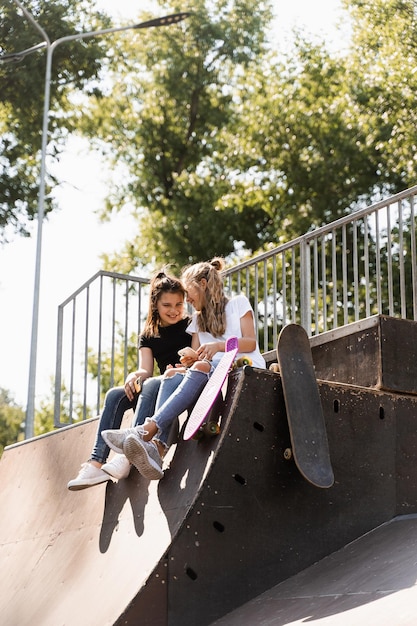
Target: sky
[(73, 238)]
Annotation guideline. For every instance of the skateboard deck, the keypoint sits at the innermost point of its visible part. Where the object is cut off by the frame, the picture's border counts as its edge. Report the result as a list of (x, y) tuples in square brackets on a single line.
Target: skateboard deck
[(211, 390), (306, 423)]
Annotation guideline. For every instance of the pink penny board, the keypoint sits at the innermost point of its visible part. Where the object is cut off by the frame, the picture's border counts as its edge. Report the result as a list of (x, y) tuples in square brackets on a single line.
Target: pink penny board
[(212, 389)]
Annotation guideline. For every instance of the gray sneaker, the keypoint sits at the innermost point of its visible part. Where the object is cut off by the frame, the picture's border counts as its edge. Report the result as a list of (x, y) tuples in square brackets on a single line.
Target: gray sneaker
[(118, 467), (116, 438), (88, 476), (144, 456)]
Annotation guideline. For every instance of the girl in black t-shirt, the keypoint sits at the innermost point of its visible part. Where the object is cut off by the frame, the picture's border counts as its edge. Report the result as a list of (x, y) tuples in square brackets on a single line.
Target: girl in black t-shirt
[(216, 318), (165, 333)]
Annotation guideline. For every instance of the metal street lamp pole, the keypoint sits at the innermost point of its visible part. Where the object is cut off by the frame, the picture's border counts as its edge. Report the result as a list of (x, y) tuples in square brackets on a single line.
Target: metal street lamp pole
[(50, 48)]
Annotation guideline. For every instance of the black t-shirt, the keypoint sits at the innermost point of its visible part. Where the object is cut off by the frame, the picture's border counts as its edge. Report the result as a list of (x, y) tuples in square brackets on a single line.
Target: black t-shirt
[(165, 347)]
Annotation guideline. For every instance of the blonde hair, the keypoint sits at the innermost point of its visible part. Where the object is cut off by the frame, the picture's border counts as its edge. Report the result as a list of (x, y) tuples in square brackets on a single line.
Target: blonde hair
[(212, 317), (160, 283)]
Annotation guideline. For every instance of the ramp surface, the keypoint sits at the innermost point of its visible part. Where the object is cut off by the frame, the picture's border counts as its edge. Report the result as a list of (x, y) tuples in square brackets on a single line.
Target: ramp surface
[(231, 518), (371, 582), (80, 557)]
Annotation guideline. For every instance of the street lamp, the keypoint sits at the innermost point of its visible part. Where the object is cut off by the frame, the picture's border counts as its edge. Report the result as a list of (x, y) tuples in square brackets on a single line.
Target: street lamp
[(50, 48)]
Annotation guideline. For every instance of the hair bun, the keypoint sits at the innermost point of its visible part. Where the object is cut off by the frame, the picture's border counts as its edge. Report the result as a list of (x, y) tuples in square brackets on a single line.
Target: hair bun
[(218, 263)]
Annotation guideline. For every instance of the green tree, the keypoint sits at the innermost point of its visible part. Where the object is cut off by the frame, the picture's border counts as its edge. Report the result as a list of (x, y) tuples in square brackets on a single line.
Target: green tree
[(300, 151), (226, 148), (22, 95), (383, 82), (44, 415), (278, 145), (174, 99), (12, 418), (111, 370)]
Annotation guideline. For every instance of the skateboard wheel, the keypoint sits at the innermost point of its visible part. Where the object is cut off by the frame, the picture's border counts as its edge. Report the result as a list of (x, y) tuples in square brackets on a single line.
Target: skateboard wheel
[(243, 360), (199, 434), (274, 367), (211, 429), (287, 454), (247, 370)]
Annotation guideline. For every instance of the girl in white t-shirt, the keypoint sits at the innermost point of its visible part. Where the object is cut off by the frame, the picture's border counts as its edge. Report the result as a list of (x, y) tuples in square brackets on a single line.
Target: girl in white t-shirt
[(216, 318)]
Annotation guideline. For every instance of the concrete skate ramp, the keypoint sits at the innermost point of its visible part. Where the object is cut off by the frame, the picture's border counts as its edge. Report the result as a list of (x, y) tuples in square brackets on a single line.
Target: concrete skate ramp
[(231, 518), (80, 557), (370, 582)]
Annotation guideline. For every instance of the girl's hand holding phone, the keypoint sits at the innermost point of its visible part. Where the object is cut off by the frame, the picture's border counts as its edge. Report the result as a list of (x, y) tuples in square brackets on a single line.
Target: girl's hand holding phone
[(188, 356)]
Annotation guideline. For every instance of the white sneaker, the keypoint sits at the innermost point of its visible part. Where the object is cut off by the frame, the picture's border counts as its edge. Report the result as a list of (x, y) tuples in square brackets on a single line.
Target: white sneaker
[(145, 457), (116, 438), (118, 467), (88, 476)]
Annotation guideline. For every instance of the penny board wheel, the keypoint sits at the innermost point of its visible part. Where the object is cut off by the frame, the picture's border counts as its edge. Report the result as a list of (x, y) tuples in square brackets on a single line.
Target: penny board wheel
[(199, 434), (242, 361), (211, 429), (208, 429), (274, 367)]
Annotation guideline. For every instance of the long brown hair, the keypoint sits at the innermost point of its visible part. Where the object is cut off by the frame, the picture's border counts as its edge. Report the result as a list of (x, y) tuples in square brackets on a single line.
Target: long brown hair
[(161, 283), (212, 317)]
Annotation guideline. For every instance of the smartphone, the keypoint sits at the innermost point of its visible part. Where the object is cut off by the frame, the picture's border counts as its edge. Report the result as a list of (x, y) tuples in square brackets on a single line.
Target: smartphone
[(188, 352), (138, 385)]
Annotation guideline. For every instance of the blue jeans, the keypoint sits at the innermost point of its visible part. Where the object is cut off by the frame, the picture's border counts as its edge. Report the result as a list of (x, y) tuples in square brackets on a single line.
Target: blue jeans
[(116, 403), (165, 390), (147, 399), (184, 397)]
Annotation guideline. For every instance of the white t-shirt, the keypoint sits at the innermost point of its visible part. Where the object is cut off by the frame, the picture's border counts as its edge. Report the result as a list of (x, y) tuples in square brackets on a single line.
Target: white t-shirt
[(236, 308)]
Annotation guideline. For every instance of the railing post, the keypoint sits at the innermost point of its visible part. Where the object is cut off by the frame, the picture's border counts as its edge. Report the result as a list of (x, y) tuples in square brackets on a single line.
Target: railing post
[(305, 286), (58, 368)]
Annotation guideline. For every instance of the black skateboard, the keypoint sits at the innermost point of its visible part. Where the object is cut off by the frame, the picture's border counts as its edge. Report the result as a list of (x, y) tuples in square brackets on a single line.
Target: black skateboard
[(307, 427)]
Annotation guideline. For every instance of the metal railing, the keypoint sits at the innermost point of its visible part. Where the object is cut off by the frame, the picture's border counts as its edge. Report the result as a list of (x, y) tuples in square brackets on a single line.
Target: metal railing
[(360, 265), (98, 327)]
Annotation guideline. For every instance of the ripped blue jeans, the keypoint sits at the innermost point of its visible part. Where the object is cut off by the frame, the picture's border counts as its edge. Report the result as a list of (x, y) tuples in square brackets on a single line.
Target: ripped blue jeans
[(116, 403), (182, 399)]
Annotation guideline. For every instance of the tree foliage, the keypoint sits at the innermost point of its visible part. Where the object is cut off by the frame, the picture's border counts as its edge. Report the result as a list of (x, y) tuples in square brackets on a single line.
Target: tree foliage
[(229, 146), (22, 97), (382, 65), (226, 146), (12, 418), (174, 99), (112, 368), (71, 411)]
